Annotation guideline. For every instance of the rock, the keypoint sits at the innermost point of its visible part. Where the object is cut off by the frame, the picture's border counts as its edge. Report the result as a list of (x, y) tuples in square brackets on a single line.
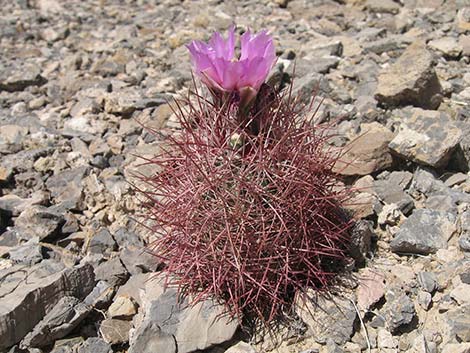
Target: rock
[(18, 78), (327, 318), (11, 138), (139, 260), (383, 6), (29, 293), (448, 46), (361, 240), (102, 242), (112, 271), (385, 339), (241, 347), (29, 253), (410, 80), (39, 221), (424, 299), (122, 308), (13, 205), (456, 348), (458, 324), (115, 331), (135, 286), (427, 281), (398, 310), (463, 19), (464, 242), (461, 294), (95, 345), (368, 152), (321, 48), (371, 288), (390, 192), (427, 138), (424, 232), (58, 322), (100, 296), (67, 189), (166, 323)]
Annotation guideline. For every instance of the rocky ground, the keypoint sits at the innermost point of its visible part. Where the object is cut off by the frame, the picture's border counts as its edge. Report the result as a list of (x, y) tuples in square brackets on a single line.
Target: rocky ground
[(77, 77)]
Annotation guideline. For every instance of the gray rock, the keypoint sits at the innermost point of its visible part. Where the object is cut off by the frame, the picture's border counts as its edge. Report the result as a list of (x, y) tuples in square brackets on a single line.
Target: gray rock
[(18, 78), (398, 310), (57, 323), (67, 189), (361, 240), (13, 205), (28, 293), (390, 192), (424, 232), (464, 242), (102, 242), (112, 271), (168, 322), (327, 318), (427, 281), (100, 296), (410, 80), (95, 345), (39, 221), (29, 253), (138, 260), (458, 323), (427, 137)]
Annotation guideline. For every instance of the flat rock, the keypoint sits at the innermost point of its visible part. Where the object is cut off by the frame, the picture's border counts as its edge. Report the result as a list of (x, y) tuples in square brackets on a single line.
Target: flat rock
[(122, 308), (448, 46), (427, 137), (115, 331), (95, 345), (410, 80), (383, 6), (327, 318), (39, 221), (57, 323), (28, 294), (17, 79), (166, 323), (424, 232), (398, 310), (368, 152)]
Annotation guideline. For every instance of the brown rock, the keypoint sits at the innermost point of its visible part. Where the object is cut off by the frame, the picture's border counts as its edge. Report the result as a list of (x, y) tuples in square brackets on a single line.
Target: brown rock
[(115, 331), (368, 152), (410, 80)]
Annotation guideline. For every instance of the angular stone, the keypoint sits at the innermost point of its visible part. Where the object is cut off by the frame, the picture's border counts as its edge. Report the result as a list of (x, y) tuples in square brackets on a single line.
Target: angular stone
[(102, 242), (368, 152), (112, 271), (458, 324), (383, 6), (170, 323), (39, 221), (115, 331), (57, 323), (66, 187), (95, 345), (398, 310), (410, 80), (122, 308), (371, 288), (241, 347), (29, 293), (456, 348), (448, 46), (327, 318), (424, 232), (17, 79), (463, 19), (427, 137)]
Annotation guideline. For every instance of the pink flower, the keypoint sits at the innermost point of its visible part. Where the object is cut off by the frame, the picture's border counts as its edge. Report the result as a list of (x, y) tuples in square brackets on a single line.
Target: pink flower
[(218, 68)]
